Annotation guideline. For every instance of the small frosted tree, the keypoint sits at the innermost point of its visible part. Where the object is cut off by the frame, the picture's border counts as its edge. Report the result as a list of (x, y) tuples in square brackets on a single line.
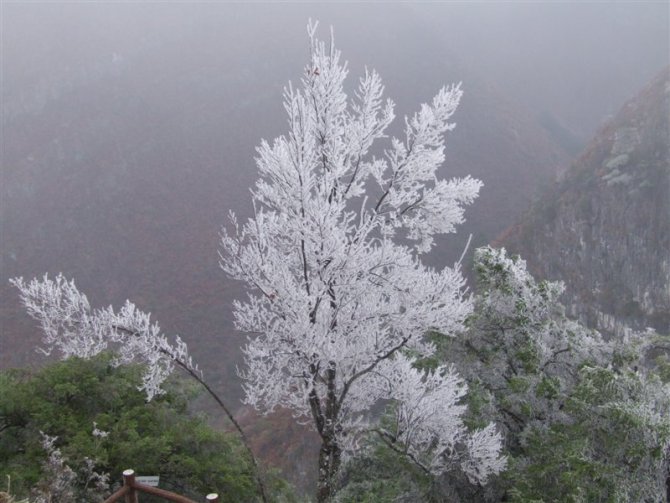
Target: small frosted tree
[(61, 484), (338, 293)]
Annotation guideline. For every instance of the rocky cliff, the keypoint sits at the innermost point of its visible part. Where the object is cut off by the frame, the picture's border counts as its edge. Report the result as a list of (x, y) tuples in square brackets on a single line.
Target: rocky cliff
[(604, 228)]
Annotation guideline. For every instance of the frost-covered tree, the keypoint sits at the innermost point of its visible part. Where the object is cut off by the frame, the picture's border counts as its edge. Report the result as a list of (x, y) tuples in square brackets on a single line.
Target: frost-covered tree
[(519, 343), (338, 294), (61, 484)]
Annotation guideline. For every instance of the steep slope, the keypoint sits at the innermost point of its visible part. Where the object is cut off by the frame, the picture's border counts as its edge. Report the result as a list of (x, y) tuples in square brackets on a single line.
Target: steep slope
[(604, 229)]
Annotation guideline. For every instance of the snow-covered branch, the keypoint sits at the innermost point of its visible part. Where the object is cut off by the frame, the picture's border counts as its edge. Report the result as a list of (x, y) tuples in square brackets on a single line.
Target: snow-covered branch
[(72, 328), (428, 412)]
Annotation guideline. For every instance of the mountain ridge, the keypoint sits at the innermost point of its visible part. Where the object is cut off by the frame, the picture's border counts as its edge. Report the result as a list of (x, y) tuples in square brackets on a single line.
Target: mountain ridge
[(604, 227)]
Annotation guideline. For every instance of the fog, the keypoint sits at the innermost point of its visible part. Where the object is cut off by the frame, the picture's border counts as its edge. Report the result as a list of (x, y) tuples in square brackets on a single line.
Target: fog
[(129, 130), (577, 61)]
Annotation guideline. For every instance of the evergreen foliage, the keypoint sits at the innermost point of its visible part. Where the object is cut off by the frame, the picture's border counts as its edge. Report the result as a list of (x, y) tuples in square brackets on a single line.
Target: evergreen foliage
[(585, 419), (96, 411)]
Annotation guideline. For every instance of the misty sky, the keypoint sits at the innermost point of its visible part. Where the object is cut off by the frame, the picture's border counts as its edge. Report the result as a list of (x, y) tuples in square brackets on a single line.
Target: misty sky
[(578, 60)]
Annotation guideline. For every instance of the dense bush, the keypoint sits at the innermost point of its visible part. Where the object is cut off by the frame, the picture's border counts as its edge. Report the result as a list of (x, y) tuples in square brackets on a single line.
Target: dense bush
[(97, 412)]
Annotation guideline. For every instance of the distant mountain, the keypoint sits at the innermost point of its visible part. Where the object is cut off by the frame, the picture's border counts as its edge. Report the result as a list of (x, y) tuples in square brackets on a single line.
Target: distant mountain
[(604, 228)]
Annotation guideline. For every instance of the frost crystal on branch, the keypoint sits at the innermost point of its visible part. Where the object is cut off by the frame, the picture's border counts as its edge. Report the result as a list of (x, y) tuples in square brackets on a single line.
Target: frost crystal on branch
[(72, 328), (60, 483), (338, 292), (428, 421)]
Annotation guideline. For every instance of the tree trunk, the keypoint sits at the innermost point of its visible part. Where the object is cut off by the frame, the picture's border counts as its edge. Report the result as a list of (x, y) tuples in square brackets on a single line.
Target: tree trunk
[(326, 418), (330, 456)]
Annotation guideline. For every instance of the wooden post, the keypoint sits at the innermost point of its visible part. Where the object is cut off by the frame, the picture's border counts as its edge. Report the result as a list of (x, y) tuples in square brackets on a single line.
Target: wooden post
[(129, 480), (212, 498)]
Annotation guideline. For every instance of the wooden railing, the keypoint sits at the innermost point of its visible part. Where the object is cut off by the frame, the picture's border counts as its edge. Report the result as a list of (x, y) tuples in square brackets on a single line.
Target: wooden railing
[(131, 488)]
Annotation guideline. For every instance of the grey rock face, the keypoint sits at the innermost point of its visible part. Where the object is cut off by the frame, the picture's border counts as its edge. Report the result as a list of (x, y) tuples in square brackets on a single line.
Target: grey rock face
[(604, 228)]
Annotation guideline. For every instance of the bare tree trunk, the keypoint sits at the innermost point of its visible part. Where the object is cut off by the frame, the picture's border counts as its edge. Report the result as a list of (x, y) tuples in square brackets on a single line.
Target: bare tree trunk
[(330, 456), (326, 419)]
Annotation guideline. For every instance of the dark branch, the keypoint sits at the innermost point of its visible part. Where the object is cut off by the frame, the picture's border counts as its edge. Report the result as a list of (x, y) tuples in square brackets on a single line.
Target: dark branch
[(389, 440), (367, 369), (195, 375)]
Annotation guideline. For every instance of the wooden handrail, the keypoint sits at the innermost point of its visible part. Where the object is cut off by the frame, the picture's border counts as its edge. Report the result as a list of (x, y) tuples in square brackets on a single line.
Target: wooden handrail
[(117, 495), (131, 488)]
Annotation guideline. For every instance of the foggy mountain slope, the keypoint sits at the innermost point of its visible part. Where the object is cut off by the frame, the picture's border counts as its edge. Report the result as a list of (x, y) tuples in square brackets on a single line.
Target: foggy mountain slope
[(605, 228), (121, 162)]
